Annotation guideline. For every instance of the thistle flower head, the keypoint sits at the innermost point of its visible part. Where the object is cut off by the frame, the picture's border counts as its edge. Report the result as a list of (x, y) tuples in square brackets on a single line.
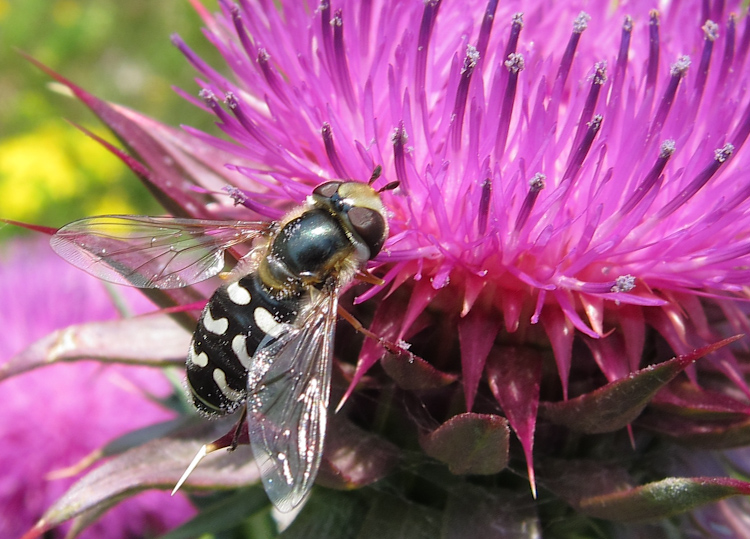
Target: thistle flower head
[(556, 175), (572, 212)]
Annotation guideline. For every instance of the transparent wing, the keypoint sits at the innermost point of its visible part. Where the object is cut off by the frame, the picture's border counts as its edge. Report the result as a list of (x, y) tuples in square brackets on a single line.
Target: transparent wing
[(288, 390), (151, 252)]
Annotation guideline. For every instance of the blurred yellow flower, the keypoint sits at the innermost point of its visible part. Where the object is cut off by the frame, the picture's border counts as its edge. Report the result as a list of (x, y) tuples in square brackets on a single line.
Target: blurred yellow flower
[(54, 165)]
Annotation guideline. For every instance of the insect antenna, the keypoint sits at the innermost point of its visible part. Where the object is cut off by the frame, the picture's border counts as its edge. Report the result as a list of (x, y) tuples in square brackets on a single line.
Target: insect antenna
[(375, 175), (389, 186)]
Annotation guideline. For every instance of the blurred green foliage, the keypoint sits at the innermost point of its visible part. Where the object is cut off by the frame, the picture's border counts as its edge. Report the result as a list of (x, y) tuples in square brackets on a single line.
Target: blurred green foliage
[(50, 173)]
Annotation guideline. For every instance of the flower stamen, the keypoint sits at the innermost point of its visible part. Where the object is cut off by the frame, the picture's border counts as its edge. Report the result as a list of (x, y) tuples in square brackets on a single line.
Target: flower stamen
[(729, 44), (536, 184), (399, 140), (423, 42), (340, 69), (270, 76), (459, 108), (744, 45), (580, 153), (209, 98), (238, 196), (652, 71), (579, 25), (239, 27), (624, 283), (515, 64), (236, 106), (515, 32), (331, 152), (711, 31), (665, 152), (720, 157), (484, 205), (197, 62), (598, 79), (486, 28), (622, 54), (615, 92), (677, 72)]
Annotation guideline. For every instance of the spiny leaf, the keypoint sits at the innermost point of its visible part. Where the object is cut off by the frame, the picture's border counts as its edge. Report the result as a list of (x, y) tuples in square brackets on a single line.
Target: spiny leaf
[(615, 405), (165, 175), (662, 499), (160, 341), (684, 398), (156, 464), (706, 434), (514, 376), (413, 373)]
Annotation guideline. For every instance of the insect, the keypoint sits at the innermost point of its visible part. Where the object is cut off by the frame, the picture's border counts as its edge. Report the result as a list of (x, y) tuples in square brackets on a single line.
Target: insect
[(264, 341)]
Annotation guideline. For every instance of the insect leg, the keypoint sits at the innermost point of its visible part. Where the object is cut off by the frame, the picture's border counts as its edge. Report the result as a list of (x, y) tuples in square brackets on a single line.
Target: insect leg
[(367, 277), (390, 346), (240, 436)]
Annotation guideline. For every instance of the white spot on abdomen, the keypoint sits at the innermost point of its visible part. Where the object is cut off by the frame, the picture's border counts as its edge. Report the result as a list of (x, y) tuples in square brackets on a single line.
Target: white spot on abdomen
[(218, 327), (221, 381), (201, 360), (238, 294), (239, 347), (266, 322)]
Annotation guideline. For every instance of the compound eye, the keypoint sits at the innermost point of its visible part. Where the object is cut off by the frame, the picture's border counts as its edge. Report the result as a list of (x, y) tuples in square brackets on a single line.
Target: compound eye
[(327, 190), (370, 226)]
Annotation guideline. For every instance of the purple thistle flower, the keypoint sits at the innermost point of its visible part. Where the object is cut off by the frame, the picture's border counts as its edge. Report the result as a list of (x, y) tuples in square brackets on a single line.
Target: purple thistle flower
[(54, 418), (572, 212), (558, 179)]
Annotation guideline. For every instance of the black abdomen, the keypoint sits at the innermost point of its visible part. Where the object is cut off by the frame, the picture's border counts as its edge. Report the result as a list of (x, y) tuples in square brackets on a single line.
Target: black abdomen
[(236, 319)]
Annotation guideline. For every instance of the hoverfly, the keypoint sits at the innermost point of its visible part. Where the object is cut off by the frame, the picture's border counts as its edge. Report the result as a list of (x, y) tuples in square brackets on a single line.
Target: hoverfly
[(264, 341)]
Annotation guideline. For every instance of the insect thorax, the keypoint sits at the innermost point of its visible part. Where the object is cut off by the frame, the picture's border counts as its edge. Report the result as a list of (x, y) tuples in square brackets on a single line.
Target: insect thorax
[(307, 251)]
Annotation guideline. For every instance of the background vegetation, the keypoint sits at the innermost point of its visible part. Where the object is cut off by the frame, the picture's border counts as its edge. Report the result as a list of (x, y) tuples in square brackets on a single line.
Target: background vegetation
[(50, 173)]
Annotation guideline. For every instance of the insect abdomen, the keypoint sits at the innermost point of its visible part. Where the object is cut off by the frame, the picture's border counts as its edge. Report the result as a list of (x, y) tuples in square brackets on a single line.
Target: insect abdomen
[(235, 321)]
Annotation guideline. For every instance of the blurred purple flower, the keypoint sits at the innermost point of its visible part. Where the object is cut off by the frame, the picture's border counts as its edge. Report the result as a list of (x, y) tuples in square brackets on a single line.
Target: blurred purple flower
[(53, 418), (573, 211)]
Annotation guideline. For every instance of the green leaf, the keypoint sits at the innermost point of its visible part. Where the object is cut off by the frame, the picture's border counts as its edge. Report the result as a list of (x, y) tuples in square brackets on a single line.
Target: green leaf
[(224, 514), (662, 499), (354, 457), (397, 518), (575, 479), (472, 511), (330, 514), (470, 443)]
